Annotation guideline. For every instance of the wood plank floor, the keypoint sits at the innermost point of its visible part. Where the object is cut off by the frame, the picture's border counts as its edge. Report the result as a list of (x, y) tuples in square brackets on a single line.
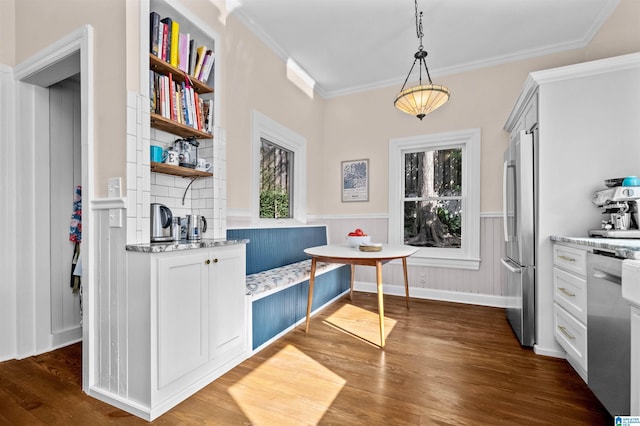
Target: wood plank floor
[(444, 364)]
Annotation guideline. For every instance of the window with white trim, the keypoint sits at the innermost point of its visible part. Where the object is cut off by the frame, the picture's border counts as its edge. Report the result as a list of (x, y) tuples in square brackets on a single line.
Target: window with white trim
[(434, 197), (279, 172)]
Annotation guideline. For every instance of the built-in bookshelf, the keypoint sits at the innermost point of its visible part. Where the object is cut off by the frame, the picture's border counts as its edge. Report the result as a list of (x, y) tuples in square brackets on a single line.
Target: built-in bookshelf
[(181, 62)]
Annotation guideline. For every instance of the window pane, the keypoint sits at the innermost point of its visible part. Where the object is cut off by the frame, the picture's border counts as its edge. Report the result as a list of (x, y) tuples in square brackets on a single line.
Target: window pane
[(276, 172), (433, 223), (433, 173)]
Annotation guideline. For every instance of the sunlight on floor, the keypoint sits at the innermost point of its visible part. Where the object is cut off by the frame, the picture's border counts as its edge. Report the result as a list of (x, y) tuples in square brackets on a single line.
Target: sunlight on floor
[(266, 396), (360, 323)]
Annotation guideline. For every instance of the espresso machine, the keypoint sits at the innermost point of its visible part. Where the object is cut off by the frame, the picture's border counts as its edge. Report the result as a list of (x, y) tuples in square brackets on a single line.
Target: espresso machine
[(619, 205)]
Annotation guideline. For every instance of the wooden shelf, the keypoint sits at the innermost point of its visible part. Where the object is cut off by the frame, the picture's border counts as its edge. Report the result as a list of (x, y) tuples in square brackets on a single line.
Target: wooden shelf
[(158, 65), (159, 122), (186, 172)]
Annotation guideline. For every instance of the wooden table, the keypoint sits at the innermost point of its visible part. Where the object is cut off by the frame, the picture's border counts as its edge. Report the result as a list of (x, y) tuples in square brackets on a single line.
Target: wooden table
[(353, 256)]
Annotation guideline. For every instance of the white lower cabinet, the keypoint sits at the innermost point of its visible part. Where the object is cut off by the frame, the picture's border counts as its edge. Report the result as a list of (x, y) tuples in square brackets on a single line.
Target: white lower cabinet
[(570, 304), (193, 327)]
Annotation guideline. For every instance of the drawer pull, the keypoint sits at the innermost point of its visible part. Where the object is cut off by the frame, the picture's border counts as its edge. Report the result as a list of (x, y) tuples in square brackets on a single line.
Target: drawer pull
[(568, 293), (564, 331), (567, 258)]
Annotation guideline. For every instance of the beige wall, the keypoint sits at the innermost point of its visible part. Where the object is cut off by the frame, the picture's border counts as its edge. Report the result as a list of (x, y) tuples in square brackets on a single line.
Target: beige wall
[(7, 28), (360, 125), (255, 78), (41, 22)]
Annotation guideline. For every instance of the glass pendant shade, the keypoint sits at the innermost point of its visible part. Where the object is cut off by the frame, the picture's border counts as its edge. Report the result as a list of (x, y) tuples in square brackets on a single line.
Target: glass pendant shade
[(422, 99)]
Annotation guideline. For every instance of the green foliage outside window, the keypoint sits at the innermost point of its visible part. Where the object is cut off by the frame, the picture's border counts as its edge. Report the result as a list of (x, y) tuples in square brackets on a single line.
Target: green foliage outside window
[(274, 204)]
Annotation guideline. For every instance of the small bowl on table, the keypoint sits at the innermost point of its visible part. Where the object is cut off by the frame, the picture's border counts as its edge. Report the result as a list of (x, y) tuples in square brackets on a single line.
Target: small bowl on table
[(355, 241)]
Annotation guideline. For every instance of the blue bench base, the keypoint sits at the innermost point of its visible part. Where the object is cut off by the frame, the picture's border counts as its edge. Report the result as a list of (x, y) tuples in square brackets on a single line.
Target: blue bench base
[(270, 248), (279, 311)]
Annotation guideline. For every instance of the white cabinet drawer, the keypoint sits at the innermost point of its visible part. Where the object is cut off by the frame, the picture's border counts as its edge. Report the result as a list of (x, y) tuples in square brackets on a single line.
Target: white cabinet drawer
[(571, 334), (570, 292), (570, 259)]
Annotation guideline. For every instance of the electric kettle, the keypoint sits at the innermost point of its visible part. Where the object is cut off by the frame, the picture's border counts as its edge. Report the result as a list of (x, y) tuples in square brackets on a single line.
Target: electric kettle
[(161, 219), (196, 226)]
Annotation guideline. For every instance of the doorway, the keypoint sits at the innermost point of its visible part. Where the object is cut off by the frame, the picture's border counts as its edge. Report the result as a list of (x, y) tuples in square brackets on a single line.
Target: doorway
[(54, 99)]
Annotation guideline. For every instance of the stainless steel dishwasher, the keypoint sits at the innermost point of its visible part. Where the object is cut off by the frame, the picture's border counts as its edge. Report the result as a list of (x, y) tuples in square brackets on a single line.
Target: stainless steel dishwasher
[(608, 334)]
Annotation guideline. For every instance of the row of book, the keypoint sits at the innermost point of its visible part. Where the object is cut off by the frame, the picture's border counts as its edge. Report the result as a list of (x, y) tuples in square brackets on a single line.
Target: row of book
[(178, 48), (177, 101)]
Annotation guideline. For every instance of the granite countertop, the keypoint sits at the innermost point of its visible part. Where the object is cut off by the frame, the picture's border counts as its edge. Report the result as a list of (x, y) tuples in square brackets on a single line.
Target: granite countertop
[(623, 247), (181, 245)]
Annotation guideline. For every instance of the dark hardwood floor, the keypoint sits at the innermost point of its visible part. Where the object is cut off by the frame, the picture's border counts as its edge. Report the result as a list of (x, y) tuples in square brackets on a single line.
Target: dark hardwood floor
[(444, 364)]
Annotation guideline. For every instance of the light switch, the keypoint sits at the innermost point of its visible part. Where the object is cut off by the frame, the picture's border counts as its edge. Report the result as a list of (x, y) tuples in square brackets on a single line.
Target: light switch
[(114, 188)]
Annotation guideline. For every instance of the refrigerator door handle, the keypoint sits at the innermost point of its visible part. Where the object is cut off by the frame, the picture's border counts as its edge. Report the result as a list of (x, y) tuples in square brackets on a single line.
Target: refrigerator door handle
[(509, 266), (504, 201)]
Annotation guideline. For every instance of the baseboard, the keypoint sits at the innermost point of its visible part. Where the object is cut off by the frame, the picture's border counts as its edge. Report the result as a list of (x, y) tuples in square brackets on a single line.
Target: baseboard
[(539, 350), (129, 406), (433, 294), (297, 323)]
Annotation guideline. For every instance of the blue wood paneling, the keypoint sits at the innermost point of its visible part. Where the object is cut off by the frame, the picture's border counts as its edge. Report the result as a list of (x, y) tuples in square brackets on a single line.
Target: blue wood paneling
[(277, 312), (267, 249)]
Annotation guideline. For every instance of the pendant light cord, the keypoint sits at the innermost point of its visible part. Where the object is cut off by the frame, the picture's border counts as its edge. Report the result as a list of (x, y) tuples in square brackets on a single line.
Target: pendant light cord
[(419, 32)]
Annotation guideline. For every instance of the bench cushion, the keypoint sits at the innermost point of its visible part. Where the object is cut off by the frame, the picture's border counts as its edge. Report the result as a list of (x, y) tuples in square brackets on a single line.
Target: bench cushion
[(264, 283)]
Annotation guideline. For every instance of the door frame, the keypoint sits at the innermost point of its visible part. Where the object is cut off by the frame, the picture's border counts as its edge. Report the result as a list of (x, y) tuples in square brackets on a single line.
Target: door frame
[(31, 76)]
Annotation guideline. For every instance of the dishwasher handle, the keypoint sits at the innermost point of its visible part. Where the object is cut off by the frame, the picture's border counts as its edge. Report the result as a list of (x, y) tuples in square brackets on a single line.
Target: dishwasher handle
[(607, 276)]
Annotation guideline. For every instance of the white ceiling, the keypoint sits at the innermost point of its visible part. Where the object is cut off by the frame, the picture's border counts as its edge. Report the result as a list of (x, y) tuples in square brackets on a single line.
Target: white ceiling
[(352, 45)]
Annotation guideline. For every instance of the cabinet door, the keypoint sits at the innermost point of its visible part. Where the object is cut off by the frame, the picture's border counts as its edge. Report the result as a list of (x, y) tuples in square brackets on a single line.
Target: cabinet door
[(183, 320), (227, 303)]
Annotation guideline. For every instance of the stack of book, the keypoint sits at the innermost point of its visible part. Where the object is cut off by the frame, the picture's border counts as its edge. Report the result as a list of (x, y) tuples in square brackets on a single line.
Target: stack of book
[(178, 48), (178, 101)]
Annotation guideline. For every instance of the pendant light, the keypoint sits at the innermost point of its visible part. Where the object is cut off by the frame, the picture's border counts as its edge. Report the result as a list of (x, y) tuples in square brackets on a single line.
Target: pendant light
[(421, 99)]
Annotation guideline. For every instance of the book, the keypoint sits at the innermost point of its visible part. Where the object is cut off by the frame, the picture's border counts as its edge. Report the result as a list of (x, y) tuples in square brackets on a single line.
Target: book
[(175, 40), (206, 66), (154, 22), (152, 90), (185, 103), (192, 56), (200, 52), (165, 41), (196, 104), (183, 52), (166, 54), (172, 98)]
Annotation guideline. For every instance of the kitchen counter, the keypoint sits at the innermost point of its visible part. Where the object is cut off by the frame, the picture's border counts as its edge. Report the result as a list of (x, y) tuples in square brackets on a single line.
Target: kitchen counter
[(182, 245), (623, 247)]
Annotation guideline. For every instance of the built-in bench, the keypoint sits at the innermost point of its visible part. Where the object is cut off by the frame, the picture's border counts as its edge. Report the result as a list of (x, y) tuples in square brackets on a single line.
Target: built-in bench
[(278, 273)]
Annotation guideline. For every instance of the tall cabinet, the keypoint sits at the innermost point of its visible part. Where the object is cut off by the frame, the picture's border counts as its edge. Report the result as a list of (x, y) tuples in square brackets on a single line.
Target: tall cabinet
[(587, 131)]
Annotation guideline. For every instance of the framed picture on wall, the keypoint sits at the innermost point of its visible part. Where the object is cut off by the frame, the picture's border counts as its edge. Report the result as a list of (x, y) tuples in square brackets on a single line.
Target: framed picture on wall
[(355, 180)]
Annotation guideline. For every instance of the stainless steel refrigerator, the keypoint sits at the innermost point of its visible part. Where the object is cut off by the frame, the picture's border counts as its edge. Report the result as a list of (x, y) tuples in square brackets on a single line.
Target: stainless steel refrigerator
[(519, 235)]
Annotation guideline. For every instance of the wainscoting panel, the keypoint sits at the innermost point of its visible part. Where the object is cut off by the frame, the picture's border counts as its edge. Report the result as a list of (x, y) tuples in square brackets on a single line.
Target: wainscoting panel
[(109, 301)]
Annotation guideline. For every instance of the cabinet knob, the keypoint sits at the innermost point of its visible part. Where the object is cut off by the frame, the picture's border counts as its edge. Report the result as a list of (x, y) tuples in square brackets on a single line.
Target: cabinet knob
[(206, 262), (215, 260)]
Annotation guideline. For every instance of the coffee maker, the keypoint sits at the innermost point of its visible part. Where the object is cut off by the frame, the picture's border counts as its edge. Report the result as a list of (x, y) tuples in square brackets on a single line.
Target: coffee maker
[(620, 207), (161, 219)]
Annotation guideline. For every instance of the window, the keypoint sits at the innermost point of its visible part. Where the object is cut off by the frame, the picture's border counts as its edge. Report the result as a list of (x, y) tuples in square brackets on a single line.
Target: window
[(279, 172), (434, 197), (276, 172)]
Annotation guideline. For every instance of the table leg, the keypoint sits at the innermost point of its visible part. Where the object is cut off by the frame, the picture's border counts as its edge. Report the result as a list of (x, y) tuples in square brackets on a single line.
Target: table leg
[(406, 280), (353, 273), (310, 299), (380, 300)]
